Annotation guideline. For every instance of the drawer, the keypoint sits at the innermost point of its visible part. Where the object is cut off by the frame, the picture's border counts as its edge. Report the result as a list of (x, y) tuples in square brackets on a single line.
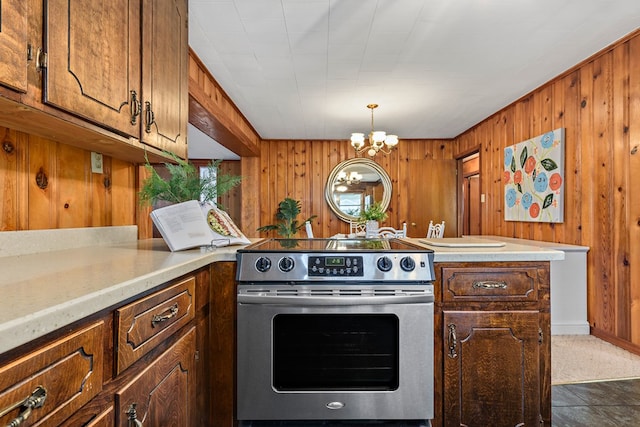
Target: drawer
[(145, 323), (67, 373), (493, 283)]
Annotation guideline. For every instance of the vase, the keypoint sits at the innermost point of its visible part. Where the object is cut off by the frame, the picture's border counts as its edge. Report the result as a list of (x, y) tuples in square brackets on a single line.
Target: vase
[(372, 227)]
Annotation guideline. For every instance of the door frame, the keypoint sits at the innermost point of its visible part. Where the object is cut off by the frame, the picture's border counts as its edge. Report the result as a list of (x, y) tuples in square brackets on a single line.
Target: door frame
[(460, 178)]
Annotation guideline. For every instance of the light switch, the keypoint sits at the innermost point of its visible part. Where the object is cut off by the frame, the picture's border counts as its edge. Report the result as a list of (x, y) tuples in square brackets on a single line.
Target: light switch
[(96, 162), (482, 198)]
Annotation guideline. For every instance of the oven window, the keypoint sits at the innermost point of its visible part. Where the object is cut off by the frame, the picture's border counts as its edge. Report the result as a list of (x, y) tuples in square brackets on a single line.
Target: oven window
[(335, 352)]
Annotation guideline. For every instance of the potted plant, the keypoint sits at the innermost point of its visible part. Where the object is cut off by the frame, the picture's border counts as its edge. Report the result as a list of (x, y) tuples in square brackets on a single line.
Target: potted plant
[(184, 183), (287, 214), (373, 215)]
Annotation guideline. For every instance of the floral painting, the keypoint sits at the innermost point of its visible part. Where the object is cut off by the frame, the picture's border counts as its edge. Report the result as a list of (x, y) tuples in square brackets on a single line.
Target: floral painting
[(534, 179)]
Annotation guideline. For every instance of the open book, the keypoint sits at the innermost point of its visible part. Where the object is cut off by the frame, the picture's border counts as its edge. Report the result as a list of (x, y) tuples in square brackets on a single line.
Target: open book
[(193, 224)]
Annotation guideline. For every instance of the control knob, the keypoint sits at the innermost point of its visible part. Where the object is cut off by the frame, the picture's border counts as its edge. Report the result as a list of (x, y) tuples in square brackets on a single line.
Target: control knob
[(384, 264), (286, 264), (263, 264), (407, 264)]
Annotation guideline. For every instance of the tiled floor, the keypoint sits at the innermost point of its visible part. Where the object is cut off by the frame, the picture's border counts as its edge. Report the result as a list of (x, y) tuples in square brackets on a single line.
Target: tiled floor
[(601, 404), (597, 404)]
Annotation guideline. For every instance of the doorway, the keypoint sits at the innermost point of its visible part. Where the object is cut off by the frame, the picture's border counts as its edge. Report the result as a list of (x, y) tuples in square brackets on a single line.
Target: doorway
[(469, 215)]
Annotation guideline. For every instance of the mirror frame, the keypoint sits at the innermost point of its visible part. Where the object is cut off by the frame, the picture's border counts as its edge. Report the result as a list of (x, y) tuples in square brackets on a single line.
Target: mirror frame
[(384, 177)]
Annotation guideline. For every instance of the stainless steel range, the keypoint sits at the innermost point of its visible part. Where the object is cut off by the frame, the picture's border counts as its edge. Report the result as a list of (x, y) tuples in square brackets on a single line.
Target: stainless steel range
[(334, 330)]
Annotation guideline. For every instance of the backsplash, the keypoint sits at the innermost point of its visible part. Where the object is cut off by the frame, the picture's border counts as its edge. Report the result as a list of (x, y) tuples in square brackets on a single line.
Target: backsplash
[(14, 243)]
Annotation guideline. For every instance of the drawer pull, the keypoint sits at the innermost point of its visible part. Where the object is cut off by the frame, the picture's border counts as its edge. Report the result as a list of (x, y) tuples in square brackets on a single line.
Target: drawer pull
[(159, 318), (453, 341), (489, 284), (150, 118), (132, 417), (34, 401), (136, 107)]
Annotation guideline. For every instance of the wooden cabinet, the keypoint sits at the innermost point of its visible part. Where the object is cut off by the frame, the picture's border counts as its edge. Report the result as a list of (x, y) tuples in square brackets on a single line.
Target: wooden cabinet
[(51, 383), (491, 368), (165, 60), (164, 392), (492, 344), (13, 44), (122, 66), (146, 360), (143, 324), (93, 61)]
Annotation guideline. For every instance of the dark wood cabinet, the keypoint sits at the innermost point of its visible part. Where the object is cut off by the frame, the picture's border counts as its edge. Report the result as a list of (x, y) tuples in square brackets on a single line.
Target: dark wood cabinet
[(49, 384), (13, 44), (491, 368), (147, 360), (492, 344), (122, 65), (164, 392)]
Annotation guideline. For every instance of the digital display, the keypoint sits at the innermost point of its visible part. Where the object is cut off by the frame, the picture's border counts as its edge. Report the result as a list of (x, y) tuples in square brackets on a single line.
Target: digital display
[(334, 261)]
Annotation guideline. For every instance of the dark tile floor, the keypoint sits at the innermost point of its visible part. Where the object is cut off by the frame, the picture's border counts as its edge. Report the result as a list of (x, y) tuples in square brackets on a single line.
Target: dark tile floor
[(598, 404)]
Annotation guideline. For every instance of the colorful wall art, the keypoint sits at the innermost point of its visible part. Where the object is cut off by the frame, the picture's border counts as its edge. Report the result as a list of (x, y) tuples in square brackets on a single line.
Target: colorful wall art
[(534, 179)]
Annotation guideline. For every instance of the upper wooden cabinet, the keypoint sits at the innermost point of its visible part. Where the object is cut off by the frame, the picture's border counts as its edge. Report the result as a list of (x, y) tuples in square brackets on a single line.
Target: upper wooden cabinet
[(121, 65), (165, 81), (93, 61), (13, 44)]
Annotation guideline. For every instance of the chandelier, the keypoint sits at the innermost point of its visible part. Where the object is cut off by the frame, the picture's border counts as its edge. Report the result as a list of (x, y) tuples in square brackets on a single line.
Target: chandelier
[(379, 141), (344, 179)]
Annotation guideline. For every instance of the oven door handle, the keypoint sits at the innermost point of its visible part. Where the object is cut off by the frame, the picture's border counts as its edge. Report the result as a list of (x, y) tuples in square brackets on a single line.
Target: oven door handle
[(334, 300)]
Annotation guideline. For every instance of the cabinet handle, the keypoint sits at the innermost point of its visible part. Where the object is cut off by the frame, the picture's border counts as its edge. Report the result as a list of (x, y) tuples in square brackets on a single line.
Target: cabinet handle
[(489, 284), (159, 318), (453, 341), (150, 118), (136, 107), (31, 402), (132, 417)]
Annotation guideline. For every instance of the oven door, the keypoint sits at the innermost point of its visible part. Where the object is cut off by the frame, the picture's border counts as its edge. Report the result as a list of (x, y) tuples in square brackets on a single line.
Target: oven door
[(333, 357)]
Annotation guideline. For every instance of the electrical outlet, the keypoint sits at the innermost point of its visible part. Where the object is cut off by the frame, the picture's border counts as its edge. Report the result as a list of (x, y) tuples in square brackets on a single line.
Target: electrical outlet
[(96, 162), (482, 198)]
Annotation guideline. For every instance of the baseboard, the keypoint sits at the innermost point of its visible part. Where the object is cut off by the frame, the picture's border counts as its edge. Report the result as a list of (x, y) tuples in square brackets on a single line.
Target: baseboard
[(570, 329)]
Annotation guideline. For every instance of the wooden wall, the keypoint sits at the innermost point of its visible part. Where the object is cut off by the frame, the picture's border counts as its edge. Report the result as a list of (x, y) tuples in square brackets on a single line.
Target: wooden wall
[(73, 197), (598, 104), (299, 169)]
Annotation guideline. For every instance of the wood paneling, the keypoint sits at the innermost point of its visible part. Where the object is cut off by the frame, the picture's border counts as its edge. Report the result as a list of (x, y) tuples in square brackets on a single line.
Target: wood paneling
[(598, 104), (299, 169), (73, 196)]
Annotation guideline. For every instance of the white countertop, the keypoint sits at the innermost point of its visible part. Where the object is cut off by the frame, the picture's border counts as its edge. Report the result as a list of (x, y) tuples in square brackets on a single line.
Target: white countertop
[(45, 291), (52, 278), (509, 252)]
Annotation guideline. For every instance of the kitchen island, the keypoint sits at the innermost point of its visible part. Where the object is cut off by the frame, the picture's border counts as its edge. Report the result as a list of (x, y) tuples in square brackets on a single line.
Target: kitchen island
[(61, 291)]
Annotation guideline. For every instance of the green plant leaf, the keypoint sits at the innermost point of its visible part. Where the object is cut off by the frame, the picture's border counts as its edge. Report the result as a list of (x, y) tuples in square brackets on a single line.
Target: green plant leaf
[(288, 210), (547, 201), (184, 183)]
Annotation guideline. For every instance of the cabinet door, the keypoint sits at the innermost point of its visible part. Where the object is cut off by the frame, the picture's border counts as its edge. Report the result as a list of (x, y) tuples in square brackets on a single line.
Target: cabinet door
[(51, 383), (164, 75), (13, 44), (164, 392), (491, 368), (93, 60)]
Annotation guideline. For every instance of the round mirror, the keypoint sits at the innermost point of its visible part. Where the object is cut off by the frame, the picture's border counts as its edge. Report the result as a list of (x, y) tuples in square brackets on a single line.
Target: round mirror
[(354, 185)]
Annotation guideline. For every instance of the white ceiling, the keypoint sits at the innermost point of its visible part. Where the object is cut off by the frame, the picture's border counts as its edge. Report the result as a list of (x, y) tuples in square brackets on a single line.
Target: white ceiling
[(306, 69)]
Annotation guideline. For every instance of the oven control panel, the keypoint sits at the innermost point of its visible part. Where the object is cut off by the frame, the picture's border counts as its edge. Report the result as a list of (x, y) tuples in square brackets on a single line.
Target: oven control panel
[(338, 265)]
